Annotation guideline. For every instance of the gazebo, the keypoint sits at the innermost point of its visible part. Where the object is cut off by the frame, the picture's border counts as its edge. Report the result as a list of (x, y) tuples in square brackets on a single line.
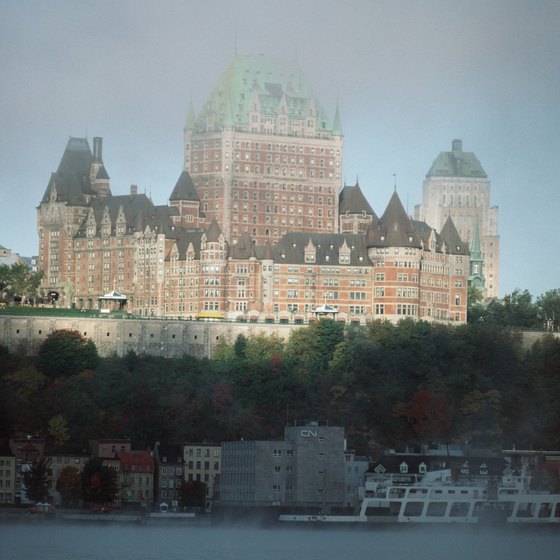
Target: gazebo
[(326, 310), (115, 301)]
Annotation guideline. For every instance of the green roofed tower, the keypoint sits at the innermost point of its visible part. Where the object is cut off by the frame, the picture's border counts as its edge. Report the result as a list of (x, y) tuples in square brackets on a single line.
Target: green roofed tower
[(264, 155), (457, 186)]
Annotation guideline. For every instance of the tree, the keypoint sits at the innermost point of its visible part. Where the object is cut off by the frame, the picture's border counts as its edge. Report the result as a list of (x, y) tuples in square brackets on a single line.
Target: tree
[(520, 309), (430, 414), (99, 482), (193, 494), (58, 429), (548, 306), (66, 353), (69, 485), (19, 281), (36, 480)]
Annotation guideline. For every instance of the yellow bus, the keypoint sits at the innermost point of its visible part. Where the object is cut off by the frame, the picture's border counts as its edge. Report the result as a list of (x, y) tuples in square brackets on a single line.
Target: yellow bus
[(210, 316)]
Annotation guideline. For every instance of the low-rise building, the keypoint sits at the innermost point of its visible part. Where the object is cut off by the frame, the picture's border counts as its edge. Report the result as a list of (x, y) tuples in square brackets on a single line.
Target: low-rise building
[(168, 473), (7, 475), (136, 478), (203, 464)]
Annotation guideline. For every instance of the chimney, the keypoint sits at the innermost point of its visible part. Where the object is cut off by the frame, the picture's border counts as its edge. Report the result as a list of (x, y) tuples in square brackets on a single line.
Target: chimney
[(98, 149), (457, 145), (133, 190)]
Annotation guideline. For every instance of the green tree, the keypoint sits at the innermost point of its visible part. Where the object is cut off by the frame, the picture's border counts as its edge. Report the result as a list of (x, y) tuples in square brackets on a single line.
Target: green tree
[(69, 486), (58, 429), (65, 353), (99, 482), (548, 305), (520, 310), (36, 480)]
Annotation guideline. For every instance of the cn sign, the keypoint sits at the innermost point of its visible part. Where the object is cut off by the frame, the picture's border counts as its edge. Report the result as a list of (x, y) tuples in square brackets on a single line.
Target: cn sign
[(308, 433)]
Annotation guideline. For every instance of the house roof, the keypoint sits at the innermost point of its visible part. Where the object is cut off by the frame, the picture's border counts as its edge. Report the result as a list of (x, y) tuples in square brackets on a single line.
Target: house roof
[(184, 188), (71, 181), (352, 201), (291, 249), (136, 459)]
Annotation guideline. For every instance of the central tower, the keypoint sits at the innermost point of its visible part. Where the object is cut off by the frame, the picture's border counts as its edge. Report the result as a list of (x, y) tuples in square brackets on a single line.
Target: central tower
[(264, 157)]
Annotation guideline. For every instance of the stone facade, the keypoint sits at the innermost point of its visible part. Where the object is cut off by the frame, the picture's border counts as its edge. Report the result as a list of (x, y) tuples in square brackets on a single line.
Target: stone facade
[(456, 185)]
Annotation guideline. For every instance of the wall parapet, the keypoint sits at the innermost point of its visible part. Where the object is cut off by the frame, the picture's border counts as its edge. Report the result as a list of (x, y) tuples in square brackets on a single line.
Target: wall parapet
[(117, 336)]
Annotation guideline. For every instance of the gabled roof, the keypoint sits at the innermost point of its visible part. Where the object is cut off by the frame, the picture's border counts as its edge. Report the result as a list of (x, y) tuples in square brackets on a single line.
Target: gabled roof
[(456, 163), (352, 201), (184, 188)]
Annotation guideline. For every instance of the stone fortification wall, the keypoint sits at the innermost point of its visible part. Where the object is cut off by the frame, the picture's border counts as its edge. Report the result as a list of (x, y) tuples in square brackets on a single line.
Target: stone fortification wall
[(156, 337)]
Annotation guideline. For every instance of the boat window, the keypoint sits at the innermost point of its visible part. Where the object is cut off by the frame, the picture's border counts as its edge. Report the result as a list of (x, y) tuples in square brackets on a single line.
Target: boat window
[(413, 509), (526, 509), (396, 492), (436, 509), (557, 510), (545, 510), (459, 509)]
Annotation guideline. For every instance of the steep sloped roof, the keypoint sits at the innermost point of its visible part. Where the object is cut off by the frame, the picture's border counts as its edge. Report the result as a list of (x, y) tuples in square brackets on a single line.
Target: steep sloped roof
[(352, 201), (71, 179), (214, 231), (456, 163), (452, 240), (291, 248), (394, 228), (272, 83), (244, 248), (184, 188)]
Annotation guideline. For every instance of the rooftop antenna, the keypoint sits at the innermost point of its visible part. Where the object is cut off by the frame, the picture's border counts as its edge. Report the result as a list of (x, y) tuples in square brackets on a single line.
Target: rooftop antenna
[(235, 42), (395, 180)]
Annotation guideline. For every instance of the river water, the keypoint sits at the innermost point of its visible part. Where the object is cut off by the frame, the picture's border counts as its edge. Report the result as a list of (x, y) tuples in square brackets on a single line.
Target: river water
[(51, 541)]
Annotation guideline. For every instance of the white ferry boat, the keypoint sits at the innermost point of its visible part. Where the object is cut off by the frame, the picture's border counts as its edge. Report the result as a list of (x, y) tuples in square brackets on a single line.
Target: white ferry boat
[(435, 499)]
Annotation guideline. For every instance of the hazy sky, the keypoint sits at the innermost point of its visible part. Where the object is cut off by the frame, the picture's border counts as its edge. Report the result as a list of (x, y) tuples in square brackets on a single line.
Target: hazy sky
[(409, 75)]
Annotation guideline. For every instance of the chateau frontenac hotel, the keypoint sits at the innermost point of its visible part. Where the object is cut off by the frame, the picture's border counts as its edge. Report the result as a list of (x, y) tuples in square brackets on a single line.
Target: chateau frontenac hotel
[(258, 226)]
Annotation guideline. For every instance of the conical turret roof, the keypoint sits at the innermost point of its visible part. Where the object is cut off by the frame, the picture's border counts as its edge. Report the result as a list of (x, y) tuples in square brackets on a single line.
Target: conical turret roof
[(184, 188)]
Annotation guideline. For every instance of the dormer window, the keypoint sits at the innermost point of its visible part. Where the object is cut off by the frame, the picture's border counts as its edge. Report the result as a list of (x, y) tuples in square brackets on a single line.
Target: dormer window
[(422, 468), (403, 468)]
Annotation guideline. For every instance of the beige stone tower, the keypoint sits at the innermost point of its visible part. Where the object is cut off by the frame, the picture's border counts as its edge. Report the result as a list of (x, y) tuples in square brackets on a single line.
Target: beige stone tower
[(457, 186)]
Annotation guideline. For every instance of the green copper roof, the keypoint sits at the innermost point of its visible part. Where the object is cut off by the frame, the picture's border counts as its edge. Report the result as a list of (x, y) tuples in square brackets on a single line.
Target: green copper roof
[(457, 163), (269, 84)]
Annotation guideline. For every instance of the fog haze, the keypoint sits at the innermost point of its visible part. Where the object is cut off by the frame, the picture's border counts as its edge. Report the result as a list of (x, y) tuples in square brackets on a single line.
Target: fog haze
[(100, 542), (409, 77)]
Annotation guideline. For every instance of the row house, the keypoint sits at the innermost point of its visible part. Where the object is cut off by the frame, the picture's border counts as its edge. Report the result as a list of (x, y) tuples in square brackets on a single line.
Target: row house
[(8, 475)]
